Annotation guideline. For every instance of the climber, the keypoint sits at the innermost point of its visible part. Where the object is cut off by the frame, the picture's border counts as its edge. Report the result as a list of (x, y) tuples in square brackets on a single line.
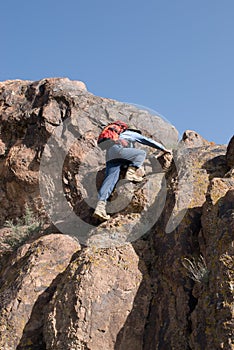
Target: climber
[(119, 153)]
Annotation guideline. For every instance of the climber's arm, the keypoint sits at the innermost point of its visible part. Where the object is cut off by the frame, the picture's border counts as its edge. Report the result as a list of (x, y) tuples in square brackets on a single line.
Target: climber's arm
[(136, 137)]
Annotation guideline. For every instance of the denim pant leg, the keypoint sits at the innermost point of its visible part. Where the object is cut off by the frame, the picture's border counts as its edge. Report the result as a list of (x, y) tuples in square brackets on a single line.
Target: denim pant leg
[(129, 155), (111, 178), (133, 156)]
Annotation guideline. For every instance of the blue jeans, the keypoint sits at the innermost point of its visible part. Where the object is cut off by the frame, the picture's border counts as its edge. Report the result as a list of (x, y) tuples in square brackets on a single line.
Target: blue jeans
[(117, 156)]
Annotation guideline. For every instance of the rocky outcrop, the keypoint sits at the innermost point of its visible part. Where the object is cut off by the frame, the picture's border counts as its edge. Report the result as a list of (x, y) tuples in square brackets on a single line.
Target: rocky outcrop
[(26, 287), (214, 309), (59, 119), (192, 139), (109, 298), (157, 275)]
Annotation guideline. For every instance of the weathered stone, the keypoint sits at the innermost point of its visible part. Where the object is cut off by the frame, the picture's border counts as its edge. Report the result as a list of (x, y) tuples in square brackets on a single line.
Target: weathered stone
[(215, 293), (95, 306), (129, 289), (194, 167), (2, 148), (26, 288), (172, 304), (31, 112), (192, 139)]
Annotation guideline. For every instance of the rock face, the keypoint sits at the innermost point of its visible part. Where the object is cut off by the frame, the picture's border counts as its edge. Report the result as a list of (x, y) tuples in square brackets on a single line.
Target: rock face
[(26, 286), (215, 296), (109, 298), (157, 275)]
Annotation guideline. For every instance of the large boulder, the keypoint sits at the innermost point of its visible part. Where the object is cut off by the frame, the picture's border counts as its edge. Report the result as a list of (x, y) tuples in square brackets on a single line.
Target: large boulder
[(90, 308), (56, 120), (192, 139), (27, 286)]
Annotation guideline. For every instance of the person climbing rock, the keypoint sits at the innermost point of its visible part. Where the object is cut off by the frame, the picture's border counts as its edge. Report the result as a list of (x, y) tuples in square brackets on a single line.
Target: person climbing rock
[(119, 140)]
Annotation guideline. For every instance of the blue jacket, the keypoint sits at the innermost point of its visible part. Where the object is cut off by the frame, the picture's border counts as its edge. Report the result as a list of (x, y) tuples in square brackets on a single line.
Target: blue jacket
[(133, 137)]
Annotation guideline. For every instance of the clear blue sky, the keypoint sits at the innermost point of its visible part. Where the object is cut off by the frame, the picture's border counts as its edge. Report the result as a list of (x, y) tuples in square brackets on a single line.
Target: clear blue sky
[(173, 56)]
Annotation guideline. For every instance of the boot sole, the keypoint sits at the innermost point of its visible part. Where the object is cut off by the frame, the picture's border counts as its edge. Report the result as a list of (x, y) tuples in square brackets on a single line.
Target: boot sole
[(100, 217)]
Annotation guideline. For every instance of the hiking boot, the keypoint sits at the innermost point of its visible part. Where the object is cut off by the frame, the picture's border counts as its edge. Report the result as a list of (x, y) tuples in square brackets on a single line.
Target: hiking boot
[(132, 175), (100, 211)]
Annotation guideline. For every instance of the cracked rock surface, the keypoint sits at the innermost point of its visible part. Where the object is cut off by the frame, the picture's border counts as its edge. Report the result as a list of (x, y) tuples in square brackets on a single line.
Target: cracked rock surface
[(121, 284)]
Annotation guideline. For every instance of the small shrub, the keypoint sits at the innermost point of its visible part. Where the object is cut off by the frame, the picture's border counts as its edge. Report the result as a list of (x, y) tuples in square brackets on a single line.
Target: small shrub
[(197, 269), (22, 229)]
